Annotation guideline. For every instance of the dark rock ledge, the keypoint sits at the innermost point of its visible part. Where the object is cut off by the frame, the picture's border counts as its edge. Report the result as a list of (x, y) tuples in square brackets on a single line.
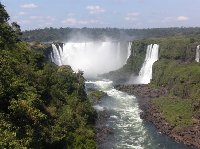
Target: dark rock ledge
[(102, 130)]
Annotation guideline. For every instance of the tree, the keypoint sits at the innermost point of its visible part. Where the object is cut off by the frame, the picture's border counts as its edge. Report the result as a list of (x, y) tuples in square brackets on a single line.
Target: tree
[(8, 35), (41, 105), (4, 17), (16, 29)]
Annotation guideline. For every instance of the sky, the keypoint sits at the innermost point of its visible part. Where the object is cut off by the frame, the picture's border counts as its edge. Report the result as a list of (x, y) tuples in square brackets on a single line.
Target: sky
[(33, 14)]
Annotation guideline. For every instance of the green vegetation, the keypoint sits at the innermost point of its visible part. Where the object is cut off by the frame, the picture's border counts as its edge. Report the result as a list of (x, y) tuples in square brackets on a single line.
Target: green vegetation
[(180, 74), (176, 70), (96, 95), (135, 61), (41, 105), (178, 48), (176, 111), (182, 80), (83, 34), (8, 34)]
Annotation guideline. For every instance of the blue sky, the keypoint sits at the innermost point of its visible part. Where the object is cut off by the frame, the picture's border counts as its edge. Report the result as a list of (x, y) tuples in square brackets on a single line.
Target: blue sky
[(31, 14)]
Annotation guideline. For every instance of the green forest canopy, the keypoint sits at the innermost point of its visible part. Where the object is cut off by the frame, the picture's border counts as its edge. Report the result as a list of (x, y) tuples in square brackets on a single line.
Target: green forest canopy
[(84, 34), (41, 105)]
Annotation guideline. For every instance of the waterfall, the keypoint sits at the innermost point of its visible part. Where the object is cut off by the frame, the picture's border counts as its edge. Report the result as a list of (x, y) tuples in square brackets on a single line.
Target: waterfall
[(56, 55), (129, 50), (197, 53), (145, 74), (91, 57)]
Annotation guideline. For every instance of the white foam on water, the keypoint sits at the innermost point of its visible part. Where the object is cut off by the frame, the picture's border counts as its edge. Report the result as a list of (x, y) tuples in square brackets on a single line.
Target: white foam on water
[(126, 121), (114, 117), (99, 108)]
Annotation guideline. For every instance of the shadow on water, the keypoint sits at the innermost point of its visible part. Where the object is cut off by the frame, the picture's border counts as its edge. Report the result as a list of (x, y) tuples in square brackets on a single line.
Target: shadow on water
[(161, 141)]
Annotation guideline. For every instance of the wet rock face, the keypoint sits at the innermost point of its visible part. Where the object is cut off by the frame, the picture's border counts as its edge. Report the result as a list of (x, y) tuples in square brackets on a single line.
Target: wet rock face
[(189, 136), (151, 113), (102, 130), (143, 91)]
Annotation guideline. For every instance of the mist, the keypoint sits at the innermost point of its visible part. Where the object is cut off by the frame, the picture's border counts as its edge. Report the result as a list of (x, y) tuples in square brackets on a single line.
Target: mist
[(92, 57)]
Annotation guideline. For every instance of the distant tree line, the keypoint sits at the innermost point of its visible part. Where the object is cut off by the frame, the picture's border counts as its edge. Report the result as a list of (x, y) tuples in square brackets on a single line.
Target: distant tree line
[(85, 34)]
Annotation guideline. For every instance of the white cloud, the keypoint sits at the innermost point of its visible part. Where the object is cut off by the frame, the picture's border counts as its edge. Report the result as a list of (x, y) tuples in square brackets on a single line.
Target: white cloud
[(85, 22), (95, 9), (182, 18), (132, 16), (23, 22), (171, 19), (43, 21), (70, 14), (47, 24), (31, 5), (70, 21), (167, 19), (73, 21), (130, 19), (21, 13), (42, 18), (36, 17)]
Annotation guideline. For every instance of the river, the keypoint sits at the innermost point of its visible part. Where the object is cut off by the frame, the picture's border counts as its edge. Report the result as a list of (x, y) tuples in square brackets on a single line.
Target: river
[(130, 131)]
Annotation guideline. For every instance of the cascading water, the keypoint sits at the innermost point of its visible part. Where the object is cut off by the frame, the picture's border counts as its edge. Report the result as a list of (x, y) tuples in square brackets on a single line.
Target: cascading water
[(56, 55), (90, 57), (145, 74), (125, 118), (197, 53), (129, 50), (130, 132)]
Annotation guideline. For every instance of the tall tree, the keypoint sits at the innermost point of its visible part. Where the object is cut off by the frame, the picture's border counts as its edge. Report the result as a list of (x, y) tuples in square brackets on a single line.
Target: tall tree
[(8, 35), (17, 29), (4, 17)]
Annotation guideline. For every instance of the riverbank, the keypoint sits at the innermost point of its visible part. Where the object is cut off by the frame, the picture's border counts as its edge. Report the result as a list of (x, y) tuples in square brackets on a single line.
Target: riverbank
[(102, 131), (188, 135)]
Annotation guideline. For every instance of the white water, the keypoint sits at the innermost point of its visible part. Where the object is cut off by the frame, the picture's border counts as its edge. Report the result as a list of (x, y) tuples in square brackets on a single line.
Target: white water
[(56, 56), (197, 53), (125, 118), (129, 130), (90, 57), (145, 74), (129, 50)]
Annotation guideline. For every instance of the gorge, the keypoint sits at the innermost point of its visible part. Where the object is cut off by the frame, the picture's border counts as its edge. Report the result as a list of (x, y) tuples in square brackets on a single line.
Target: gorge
[(91, 57), (99, 88), (128, 129)]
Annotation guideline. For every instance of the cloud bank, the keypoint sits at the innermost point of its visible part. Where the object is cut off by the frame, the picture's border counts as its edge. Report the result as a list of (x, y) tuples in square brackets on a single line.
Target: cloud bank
[(29, 6)]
